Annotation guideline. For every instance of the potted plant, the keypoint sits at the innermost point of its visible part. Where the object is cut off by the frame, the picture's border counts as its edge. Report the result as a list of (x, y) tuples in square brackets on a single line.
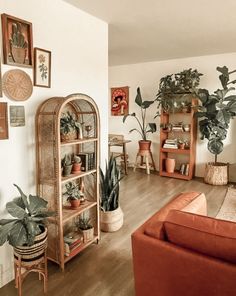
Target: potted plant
[(144, 128), (73, 194), (18, 44), (215, 112), (111, 213), (26, 232), (70, 127), (76, 168), (175, 91), (84, 225), (66, 164)]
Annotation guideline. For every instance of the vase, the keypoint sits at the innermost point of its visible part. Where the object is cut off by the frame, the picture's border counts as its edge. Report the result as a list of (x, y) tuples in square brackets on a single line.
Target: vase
[(170, 165)]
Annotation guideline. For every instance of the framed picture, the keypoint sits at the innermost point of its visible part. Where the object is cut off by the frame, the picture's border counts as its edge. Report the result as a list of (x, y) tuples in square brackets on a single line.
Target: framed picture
[(42, 67), (119, 101), (3, 121), (17, 41), (17, 116)]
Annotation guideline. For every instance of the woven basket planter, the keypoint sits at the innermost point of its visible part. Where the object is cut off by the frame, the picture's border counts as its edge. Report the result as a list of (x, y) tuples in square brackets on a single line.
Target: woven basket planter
[(88, 234), (32, 254), (72, 135), (112, 220), (216, 173)]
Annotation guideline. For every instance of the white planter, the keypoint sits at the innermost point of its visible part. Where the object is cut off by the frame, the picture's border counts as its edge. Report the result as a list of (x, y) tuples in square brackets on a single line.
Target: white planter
[(112, 220), (216, 173)]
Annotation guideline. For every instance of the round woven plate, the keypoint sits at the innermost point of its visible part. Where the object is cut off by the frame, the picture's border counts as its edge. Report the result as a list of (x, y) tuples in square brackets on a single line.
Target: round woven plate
[(17, 85)]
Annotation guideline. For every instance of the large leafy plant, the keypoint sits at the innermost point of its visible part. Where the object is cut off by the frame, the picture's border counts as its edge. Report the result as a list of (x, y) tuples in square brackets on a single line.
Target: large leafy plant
[(29, 215), (69, 123), (216, 110), (143, 127), (181, 84), (109, 186)]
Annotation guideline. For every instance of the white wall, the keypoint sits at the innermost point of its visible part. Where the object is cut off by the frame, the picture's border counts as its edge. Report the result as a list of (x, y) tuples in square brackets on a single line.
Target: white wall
[(147, 76), (79, 46)]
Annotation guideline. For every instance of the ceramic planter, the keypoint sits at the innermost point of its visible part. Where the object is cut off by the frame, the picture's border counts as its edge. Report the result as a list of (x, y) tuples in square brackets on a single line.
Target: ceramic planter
[(170, 165), (67, 170), (75, 203), (88, 234), (144, 145), (76, 168)]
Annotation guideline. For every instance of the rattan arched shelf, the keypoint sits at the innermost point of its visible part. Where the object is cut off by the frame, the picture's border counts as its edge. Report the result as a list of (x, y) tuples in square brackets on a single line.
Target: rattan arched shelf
[(50, 182)]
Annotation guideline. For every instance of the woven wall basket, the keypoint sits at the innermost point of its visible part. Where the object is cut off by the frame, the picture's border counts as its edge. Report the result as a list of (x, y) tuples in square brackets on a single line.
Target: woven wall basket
[(216, 173), (32, 254)]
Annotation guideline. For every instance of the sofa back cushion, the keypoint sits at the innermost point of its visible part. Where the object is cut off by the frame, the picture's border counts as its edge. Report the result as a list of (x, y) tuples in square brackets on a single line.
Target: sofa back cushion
[(154, 226), (209, 236)]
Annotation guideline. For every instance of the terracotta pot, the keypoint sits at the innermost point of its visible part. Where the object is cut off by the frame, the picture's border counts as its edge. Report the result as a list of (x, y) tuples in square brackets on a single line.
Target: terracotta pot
[(181, 146), (112, 220), (75, 203), (18, 54), (76, 167), (170, 165), (144, 145)]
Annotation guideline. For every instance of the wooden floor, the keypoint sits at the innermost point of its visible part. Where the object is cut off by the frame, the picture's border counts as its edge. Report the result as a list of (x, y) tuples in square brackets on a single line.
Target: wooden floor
[(106, 269)]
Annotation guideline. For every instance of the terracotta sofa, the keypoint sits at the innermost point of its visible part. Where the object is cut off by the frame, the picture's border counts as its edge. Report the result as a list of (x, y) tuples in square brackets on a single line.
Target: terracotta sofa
[(180, 251)]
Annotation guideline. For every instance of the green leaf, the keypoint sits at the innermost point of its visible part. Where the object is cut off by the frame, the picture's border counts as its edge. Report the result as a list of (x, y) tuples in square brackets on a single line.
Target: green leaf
[(6, 221), (23, 196), (223, 116), (4, 232), (230, 98), (203, 95), (19, 201), (17, 235), (36, 204), (146, 104), (215, 146), (138, 99), (15, 210), (152, 127)]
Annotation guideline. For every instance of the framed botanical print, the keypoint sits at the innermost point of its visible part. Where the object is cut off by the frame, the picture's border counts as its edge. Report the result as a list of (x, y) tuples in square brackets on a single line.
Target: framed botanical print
[(3, 121), (42, 67), (17, 41), (119, 101)]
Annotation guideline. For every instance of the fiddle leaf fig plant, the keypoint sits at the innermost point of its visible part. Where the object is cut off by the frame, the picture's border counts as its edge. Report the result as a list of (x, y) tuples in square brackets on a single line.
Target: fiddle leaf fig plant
[(216, 111), (143, 127), (29, 216)]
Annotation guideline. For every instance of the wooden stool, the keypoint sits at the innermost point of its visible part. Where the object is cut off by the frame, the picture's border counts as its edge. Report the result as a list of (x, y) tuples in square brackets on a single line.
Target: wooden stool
[(22, 269), (146, 157)]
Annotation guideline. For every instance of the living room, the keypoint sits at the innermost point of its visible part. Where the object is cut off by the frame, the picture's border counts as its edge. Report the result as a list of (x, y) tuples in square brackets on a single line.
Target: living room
[(78, 42)]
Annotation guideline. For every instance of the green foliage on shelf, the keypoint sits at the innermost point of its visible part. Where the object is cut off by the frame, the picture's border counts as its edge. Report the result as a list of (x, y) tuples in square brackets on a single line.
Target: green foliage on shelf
[(72, 191)]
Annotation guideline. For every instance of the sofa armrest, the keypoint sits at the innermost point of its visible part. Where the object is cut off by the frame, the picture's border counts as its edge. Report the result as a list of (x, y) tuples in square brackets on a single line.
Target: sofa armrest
[(161, 268)]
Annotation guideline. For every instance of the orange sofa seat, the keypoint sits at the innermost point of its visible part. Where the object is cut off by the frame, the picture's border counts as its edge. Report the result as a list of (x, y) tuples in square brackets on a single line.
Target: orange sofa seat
[(181, 251)]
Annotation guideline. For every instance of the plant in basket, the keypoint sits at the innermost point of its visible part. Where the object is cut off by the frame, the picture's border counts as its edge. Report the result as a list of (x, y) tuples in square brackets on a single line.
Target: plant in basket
[(216, 110), (70, 127), (27, 228), (85, 226)]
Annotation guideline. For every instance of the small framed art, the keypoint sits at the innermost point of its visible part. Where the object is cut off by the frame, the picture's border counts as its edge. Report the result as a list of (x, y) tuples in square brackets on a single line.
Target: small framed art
[(3, 121), (42, 67), (17, 41), (17, 116)]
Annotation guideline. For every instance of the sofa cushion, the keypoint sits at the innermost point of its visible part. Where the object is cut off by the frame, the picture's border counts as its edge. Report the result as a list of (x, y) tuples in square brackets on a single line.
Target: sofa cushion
[(154, 225), (205, 235)]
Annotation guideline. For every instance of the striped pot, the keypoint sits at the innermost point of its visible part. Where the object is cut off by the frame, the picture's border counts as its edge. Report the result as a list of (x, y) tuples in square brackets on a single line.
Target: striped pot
[(32, 254)]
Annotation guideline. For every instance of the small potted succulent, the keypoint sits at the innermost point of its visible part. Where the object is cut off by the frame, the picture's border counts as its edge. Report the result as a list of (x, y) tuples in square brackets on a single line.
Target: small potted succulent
[(73, 194), (76, 168), (66, 164), (27, 231), (181, 144), (84, 225)]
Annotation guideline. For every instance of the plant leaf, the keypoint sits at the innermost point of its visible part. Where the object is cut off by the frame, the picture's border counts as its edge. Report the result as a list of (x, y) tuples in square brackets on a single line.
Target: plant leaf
[(6, 221), (146, 104), (4, 232), (17, 235), (36, 204), (15, 210), (215, 146), (138, 99), (24, 197)]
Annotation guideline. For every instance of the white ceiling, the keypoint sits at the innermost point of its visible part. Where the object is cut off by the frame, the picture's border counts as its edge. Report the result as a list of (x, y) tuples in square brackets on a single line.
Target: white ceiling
[(151, 30)]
